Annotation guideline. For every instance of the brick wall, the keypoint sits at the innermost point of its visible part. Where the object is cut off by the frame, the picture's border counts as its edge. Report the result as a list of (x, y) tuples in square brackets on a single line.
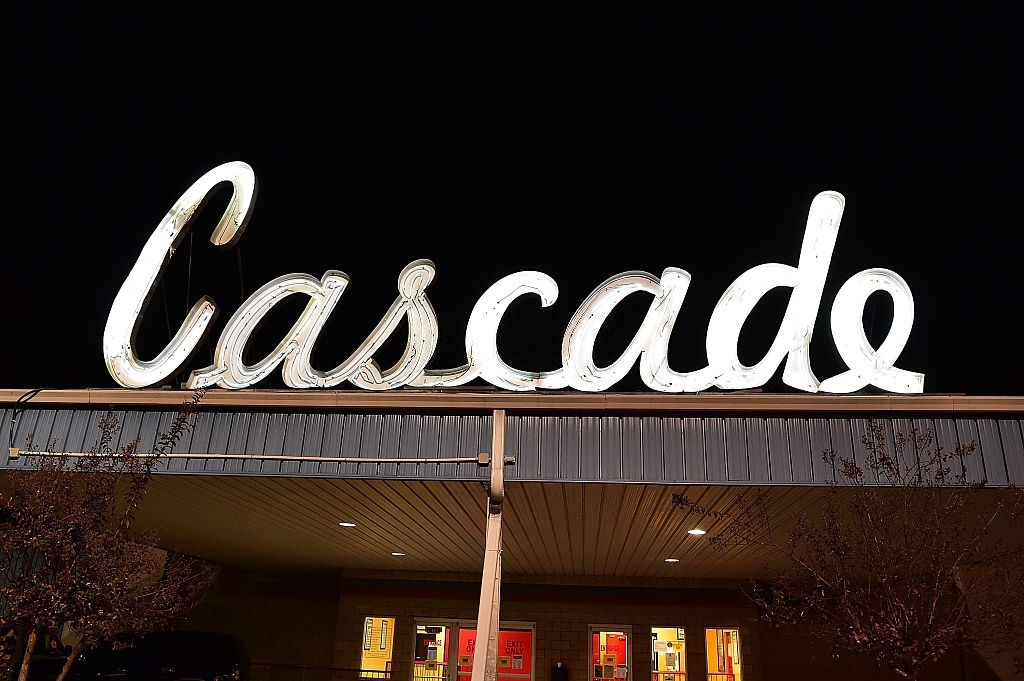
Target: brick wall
[(290, 622), (283, 621)]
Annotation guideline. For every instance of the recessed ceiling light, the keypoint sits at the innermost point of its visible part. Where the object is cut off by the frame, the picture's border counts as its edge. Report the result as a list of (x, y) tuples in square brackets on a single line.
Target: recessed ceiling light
[(397, 553), (697, 532), (671, 560), (347, 524)]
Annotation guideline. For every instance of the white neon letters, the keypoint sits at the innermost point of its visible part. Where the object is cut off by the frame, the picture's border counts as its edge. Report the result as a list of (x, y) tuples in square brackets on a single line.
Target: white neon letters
[(794, 337), (130, 303), (866, 365)]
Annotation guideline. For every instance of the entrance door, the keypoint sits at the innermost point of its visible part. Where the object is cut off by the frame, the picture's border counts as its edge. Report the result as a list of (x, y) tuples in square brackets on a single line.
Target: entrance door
[(444, 650), (668, 654), (609, 651), (515, 651), (723, 652), (435, 650)]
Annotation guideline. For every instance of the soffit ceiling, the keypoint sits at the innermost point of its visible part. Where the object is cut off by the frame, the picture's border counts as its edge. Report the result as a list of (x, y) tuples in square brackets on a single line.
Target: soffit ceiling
[(557, 531)]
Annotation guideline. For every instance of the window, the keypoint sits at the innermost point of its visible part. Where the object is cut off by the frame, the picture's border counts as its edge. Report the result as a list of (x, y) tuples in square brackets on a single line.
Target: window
[(378, 640), (723, 653)]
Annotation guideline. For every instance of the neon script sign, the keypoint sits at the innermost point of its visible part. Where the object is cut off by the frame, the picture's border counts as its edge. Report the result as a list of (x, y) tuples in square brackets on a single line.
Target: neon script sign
[(866, 365)]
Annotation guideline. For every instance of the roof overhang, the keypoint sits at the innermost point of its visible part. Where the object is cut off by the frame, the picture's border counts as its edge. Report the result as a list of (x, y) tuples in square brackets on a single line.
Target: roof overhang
[(585, 530)]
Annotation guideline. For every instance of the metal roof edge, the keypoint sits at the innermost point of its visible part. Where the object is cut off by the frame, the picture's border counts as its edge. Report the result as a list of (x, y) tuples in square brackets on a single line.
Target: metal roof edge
[(486, 400)]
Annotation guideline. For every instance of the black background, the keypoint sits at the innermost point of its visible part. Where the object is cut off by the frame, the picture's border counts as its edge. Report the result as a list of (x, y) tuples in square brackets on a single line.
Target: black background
[(578, 143)]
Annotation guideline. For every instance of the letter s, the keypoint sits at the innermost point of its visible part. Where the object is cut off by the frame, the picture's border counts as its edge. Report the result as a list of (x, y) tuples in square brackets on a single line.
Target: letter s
[(131, 301)]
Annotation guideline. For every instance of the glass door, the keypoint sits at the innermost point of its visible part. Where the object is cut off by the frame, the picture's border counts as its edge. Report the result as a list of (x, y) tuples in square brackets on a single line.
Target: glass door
[(668, 654), (433, 650), (723, 651), (515, 652), (609, 651), (444, 650)]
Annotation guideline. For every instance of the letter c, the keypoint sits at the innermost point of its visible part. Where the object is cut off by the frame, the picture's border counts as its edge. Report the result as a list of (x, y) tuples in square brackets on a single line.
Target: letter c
[(131, 301)]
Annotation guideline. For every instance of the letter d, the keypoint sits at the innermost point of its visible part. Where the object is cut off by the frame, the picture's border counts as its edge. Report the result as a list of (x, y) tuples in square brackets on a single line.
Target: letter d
[(794, 335)]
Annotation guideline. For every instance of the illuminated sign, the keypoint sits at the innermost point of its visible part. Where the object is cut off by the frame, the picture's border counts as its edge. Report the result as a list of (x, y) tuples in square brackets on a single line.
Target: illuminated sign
[(866, 365)]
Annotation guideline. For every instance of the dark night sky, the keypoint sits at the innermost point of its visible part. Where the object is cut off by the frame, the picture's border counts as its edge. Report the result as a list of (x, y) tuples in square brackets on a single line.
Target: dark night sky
[(578, 144)]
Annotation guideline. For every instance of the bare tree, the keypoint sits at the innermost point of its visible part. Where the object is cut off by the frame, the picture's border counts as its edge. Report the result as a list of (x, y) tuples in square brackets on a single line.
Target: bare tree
[(906, 560), (68, 553)]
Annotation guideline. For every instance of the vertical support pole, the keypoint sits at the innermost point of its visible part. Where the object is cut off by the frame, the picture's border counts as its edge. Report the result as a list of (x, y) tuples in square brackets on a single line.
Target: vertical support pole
[(485, 655)]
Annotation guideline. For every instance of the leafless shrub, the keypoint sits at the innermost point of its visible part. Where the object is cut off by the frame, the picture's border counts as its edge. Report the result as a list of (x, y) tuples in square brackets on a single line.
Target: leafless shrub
[(907, 558), (67, 551)]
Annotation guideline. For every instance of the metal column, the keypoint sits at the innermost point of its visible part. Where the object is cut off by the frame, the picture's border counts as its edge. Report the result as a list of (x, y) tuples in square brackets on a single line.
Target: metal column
[(485, 655)]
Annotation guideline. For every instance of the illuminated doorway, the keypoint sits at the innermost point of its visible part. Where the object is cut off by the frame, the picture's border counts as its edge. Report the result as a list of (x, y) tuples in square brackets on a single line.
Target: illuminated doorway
[(723, 652), (609, 651), (668, 654), (515, 652), (434, 650), (444, 650)]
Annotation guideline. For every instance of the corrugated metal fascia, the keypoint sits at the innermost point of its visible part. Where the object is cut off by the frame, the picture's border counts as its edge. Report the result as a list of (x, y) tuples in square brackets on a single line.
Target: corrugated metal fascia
[(788, 459), (485, 400), (751, 450), (652, 448), (270, 439)]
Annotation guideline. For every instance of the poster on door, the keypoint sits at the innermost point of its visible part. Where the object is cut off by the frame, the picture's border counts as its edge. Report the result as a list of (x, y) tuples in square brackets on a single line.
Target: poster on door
[(515, 652), (609, 643), (609, 651)]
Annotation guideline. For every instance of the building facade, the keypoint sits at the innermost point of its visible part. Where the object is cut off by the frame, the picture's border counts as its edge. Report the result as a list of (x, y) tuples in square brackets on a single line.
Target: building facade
[(351, 525)]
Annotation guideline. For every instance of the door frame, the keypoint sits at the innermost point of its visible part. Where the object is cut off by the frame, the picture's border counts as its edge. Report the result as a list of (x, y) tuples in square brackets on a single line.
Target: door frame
[(626, 629), (455, 626)]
